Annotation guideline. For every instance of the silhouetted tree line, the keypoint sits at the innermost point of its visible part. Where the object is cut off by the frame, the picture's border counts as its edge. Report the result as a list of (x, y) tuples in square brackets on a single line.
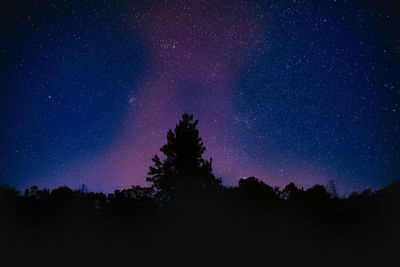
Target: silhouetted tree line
[(250, 193), (187, 214), (181, 178)]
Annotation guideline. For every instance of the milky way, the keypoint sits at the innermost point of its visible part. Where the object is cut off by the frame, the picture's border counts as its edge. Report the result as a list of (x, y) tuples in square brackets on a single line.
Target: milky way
[(196, 49), (297, 91)]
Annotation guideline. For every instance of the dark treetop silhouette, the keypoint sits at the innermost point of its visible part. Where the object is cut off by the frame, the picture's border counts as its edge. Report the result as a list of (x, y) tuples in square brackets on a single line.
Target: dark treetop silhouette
[(183, 175)]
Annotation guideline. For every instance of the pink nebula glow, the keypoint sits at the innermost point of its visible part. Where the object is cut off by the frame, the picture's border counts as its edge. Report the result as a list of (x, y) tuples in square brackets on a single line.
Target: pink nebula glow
[(196, 50)]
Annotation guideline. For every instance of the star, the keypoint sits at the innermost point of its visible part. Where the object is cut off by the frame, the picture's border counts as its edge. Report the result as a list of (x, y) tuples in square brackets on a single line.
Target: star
[(132, 100)]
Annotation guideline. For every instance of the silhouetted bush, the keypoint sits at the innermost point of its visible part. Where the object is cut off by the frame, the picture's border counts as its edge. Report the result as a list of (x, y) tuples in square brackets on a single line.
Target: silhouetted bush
[(257, 193)]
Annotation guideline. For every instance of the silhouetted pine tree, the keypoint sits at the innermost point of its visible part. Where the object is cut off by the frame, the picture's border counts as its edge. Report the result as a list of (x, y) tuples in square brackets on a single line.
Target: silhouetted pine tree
[(183, 176)]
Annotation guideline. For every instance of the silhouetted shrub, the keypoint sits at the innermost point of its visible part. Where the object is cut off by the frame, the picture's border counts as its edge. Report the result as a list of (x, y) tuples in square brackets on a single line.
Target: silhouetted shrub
[(256, 192)]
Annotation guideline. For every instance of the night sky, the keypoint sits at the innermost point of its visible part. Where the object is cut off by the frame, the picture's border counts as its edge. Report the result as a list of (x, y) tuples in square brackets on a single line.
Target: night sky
[(302, 91)]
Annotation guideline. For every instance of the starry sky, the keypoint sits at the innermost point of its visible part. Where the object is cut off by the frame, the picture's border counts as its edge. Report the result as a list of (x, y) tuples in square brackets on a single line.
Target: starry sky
[(302, 91)]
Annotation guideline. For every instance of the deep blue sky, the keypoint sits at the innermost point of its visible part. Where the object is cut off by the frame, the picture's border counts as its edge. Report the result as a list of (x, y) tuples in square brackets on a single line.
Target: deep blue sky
[(318, 90)]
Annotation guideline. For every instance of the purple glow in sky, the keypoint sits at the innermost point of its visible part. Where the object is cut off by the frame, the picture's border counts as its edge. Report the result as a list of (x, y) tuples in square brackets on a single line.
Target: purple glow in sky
[(196, 50), (302, 91)]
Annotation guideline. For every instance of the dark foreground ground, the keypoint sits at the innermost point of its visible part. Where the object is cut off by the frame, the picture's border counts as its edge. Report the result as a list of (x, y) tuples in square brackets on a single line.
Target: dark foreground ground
[(367, 234)]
